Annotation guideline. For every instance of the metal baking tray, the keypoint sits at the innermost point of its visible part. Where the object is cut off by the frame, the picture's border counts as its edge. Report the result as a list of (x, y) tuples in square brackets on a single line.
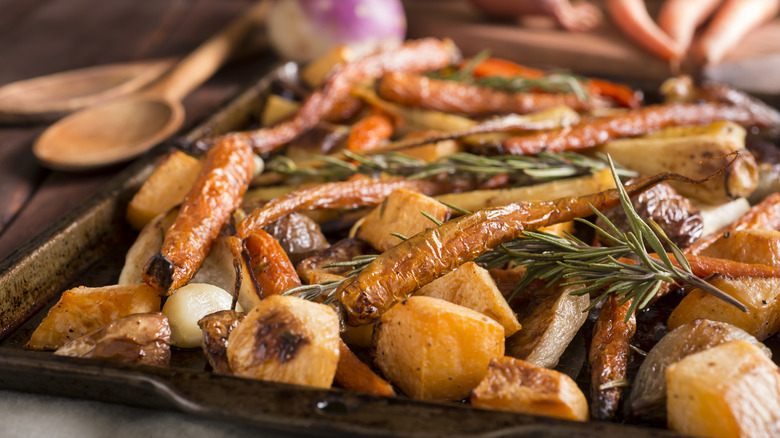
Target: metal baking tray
[(87, 247)]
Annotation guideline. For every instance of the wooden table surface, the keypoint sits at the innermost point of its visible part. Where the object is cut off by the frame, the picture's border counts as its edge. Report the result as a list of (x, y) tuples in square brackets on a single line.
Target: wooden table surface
[(40, 37)]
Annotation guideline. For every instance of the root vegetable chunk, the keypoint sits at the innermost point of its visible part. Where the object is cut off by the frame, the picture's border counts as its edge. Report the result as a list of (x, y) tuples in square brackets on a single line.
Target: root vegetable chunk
[(732, 390), (435, 350), (472, 286), (286, 339), (516, 385), (400, 213), (84, 309)]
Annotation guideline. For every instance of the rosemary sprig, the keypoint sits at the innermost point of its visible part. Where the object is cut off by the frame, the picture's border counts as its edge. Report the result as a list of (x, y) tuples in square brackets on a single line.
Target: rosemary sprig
[(328, 288), (604, 270), (522, 169)]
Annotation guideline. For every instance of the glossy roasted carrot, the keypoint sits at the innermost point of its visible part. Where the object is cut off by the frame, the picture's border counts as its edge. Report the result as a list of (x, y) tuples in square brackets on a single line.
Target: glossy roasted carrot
[(641, 121), (621, 94), (608, 357), (703, 267), (680, 18), (272, 268), (417, 261), (631, 17), (370, 132), (353, 374), (458, 97), (221, 184), (346, 194), (729, 25), (419, 55)]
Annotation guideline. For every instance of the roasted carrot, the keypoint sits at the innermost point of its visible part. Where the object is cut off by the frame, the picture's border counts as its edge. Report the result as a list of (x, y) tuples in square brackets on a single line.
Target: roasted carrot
[(458, 97), (221, 184), (703, 267), (369, 132), (621, 94), (729, 25), (608, 357), (417, 261), (598, 131), (631, 17), (271, 267), (419, 55), (346, 194), (353, 374), (680, 18)]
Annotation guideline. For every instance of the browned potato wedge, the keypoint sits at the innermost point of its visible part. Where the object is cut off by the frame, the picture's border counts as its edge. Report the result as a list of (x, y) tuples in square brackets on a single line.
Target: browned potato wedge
[(732, 390), (472, 286), (760, 295), (753, 245), (400, 213), (165, 188), (435, 350), (84, 309), (282, 339), (518, 386), (478, 199), (141, 338), (550, 318)]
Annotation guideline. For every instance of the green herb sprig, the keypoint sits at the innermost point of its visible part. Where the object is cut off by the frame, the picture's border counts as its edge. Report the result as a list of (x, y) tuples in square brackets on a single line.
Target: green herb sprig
[(328, 288)]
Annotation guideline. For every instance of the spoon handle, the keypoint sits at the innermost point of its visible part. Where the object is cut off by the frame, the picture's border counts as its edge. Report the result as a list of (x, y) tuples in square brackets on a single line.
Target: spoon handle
[(199, 65)]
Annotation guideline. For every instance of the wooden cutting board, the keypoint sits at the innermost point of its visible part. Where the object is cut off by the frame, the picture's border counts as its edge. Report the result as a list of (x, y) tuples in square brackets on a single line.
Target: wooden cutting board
[(753, 66)]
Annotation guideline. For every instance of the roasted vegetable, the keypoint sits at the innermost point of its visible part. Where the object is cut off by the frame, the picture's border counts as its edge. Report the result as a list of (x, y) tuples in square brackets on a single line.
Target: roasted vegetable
[(272, 269), (82, 310), (648, 389), (140, 338), (732, 390), (216, 328), (341, 251), (353, 374), (515, 385), (218, 191), (147, 244), (435, 350), (185, 307), (298, 235), (282, 339)]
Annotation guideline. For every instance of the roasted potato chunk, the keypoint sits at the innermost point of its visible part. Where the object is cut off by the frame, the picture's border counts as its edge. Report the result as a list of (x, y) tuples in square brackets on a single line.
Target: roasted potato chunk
[(84, 309), (216, 331), (518, 386), (141, 338), (436, 350), (286, 339), (732, 390)]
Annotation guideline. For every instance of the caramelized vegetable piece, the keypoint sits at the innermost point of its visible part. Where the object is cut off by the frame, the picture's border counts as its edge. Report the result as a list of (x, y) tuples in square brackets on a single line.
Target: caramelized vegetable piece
[(732, 390), (550, 317), (165, 188), (608, 357), (518, 386), (185, 307), (641, 121), (216, 332), (342, 251), (282, 338), (218, 191), (471, 286), (354, 375), (147, 244), (346, 194), (141, 338), (435, 350), (272, 269), (648, 389), (83, 309), (458, 97), (420, 55), (401, 213), (398, 272), (368, 133), (298, 235)]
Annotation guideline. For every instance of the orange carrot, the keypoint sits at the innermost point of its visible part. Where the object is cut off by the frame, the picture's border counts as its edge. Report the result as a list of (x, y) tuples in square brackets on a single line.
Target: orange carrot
[(732, 22), (703, 266), (621, 94), (631, 17), (680, 18), (368, 133), (353, 374), (271, 266)]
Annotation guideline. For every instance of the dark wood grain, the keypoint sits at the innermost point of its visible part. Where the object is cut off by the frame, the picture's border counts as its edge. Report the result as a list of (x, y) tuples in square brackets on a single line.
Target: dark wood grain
[(42, 37)]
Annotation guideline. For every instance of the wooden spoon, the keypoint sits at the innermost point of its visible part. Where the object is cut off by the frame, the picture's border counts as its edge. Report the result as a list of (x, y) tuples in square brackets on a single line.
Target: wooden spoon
[(124, 128)]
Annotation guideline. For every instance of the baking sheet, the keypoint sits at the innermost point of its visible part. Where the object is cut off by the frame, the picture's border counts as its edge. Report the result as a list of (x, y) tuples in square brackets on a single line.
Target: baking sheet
[(87, 247)]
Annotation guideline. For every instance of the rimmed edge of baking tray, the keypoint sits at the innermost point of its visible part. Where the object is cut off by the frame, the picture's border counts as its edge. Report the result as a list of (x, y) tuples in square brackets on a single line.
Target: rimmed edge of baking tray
[(37, 272)]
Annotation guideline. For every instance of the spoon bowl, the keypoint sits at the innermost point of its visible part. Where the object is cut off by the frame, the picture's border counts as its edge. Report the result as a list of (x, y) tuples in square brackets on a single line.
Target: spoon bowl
[(108, 134)]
